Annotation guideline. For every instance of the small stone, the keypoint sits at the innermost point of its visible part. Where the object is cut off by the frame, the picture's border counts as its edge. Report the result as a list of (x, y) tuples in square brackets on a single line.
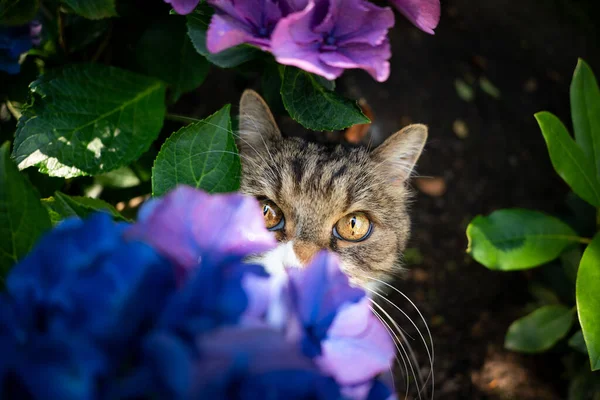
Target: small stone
[(530, 85), (434, 187), (460, 128)]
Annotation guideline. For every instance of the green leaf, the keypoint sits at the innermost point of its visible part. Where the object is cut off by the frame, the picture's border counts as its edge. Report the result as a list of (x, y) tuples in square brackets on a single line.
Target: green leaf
[(588, 300), (577, 342), (514, 239), (62, 206), (93, 9), (569, 161), (202, 155), (89, 119), (22, 217), (540, 330), (315, 107), (197, 24), (119, 178), (17, 12), (166, 52), (585, 110)]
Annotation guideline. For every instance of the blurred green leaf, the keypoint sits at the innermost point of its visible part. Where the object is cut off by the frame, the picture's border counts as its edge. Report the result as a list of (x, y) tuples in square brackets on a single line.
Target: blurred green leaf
[(93, 9), (119, 178), (22, 217), (316, 107), (88, 119), (540, 330), (197, 24), (585, 111), (17, 12), (514, 239), (570, 259), (202, 155), (585, 385), (569, 161), (166, 52), (464, 90), (588, 299), (62, 206), (577, 342), (488, 87)]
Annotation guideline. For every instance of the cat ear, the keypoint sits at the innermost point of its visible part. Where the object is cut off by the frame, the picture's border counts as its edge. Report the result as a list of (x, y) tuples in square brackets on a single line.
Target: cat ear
[(398, 154), (257, 126)]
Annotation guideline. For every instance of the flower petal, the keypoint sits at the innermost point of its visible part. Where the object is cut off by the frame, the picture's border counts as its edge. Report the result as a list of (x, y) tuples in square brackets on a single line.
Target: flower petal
[(189, 225), (183, 6), (425, 14), (356, 337), (294, 43), (373, 59)]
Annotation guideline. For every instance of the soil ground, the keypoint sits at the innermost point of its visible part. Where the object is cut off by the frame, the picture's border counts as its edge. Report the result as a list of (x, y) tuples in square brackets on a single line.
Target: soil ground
[(486, 153)]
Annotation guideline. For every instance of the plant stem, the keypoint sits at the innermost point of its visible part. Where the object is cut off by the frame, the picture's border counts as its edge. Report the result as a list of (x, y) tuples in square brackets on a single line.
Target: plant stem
[(584, 240), (181, 118)]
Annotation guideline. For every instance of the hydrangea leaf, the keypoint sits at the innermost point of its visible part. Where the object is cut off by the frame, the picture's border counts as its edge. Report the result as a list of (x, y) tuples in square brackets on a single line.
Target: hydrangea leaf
[(585, 109), (120, 178), (93, 9), (17, 12), (588, 302), (316, 107), (166, 52), (569, 161), (516, 239), (89, 119), (61, 206), (22, 217), (539, 330), (202, 155), (197, 24)]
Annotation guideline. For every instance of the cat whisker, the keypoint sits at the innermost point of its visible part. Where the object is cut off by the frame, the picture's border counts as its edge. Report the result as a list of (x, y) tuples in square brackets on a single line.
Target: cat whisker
[(253, 120), (430, 354), (397, 342)]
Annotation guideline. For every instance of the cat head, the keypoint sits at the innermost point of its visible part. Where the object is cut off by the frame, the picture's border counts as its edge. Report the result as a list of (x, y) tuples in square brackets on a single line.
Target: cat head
[(348, 200)]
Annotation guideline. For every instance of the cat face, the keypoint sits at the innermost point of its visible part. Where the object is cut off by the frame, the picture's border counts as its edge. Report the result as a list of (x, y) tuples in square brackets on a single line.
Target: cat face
[(350, 201)]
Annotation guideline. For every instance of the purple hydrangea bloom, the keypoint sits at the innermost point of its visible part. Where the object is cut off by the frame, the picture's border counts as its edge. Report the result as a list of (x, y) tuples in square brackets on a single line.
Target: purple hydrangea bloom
[(425, 14), (336, 325), (183, 7), (190, 227), (84, 277), (81, 292), (257, 363), (329, 36), (15, 41)]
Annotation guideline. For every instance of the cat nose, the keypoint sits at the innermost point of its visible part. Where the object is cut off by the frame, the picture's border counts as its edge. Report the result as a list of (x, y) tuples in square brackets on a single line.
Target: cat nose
[(305, 251)]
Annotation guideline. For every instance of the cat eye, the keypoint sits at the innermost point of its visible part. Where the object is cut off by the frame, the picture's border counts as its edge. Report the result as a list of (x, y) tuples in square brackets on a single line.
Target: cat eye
[(273, 215), (354, 227)]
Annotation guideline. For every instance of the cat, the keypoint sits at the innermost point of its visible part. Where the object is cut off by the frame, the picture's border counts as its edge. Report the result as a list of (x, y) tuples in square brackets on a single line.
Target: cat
[(351, 201)]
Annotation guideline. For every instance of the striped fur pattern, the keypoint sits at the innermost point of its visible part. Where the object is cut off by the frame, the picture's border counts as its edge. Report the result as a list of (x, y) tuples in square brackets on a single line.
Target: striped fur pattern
[(315, 185)]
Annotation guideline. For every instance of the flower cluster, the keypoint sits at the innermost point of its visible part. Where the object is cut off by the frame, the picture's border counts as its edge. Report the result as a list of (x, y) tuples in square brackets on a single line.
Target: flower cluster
[(324, 37), (16, 40), (166, 308)]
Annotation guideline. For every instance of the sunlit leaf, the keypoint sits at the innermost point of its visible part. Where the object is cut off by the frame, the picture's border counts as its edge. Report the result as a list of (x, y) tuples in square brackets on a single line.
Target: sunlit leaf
[(588, 300), (569, 161), (540, 330), (515, 239)]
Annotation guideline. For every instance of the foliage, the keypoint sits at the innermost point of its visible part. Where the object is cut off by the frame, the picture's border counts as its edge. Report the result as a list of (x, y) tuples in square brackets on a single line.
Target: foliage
[(91, 93), (517, 239)]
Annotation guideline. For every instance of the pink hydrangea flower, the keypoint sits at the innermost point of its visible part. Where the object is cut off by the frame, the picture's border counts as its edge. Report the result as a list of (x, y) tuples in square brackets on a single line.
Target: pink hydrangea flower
[(424, 14)]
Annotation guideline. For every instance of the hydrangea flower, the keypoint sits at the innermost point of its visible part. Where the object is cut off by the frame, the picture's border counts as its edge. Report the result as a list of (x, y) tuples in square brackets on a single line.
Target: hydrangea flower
[(424, 14), (183, 6), (191, 227), (329, 36), (81, 290), (96, 311), (335, 324), (15, 41)]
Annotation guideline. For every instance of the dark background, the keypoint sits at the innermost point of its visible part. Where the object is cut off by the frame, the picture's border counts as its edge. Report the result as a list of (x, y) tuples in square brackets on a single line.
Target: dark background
[(485, 152)]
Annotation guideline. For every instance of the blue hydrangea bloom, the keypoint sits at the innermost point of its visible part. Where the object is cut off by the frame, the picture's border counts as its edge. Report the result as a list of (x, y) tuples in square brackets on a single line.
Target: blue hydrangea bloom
[(14, 41)]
